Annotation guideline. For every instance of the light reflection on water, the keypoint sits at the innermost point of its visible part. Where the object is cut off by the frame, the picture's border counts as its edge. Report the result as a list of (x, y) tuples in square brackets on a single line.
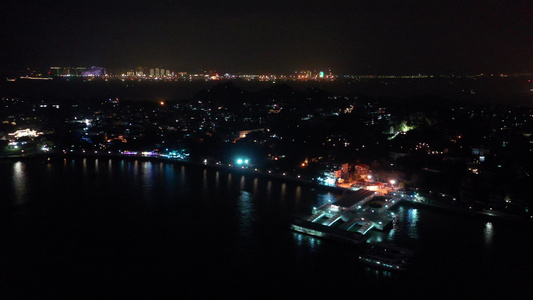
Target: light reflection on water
[(255, 223), (217, 181), (182, 175), (306, 241), (412, 221), (375, 237), (134, 171), (146, 170), (246, 214), (19, 183), (377, 274), (283, 191), (204, 184), (297, 194), (170, 180), (256, 181), (488, 233), (243, 181), (269, 189), (85, 173), (325, 198)]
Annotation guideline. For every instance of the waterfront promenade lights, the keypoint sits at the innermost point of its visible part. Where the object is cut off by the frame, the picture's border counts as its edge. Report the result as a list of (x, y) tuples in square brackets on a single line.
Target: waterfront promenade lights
[(242, 161)]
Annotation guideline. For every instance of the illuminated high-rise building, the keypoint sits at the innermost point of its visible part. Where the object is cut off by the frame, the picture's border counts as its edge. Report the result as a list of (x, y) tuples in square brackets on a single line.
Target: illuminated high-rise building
[(157, 74), (162, 72), (139, 72), (168, 73), (152, 74)]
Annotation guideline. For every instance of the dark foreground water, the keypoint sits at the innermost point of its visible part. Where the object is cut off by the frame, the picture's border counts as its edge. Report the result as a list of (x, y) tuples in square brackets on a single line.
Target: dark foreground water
[(87, 228)]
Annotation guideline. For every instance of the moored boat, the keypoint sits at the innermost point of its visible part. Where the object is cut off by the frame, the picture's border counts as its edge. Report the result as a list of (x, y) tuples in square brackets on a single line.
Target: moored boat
[(387, 256)]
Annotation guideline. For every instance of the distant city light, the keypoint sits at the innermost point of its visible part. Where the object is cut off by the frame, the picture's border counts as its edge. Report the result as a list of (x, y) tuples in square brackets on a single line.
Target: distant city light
[(25, 132)]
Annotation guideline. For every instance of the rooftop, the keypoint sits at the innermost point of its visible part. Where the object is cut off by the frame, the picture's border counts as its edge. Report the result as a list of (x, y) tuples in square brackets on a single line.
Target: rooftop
[(350, 199)]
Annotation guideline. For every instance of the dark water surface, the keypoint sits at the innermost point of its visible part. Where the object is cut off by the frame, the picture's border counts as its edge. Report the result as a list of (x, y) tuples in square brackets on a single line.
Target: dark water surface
[(85, 228)]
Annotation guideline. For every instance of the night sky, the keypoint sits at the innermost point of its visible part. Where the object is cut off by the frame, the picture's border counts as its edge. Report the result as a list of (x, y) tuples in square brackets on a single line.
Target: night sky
[(350, 37)]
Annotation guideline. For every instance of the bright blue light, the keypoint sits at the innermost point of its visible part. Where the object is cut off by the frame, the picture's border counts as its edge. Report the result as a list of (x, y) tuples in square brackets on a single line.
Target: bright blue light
[(241, 161)]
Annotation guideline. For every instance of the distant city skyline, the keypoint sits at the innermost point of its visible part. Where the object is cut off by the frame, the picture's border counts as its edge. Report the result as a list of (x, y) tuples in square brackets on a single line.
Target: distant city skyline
[(351, 37), (162, 72)]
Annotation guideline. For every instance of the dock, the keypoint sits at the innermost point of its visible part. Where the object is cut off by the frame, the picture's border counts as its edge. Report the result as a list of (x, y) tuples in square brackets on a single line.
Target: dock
[(351, 217)]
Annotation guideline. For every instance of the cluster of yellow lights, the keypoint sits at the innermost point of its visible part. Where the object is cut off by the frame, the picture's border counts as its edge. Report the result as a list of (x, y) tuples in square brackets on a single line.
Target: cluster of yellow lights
[(25, 132)]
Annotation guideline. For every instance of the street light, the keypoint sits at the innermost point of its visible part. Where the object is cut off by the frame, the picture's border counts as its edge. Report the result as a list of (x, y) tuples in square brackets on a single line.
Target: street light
[(392, 182)]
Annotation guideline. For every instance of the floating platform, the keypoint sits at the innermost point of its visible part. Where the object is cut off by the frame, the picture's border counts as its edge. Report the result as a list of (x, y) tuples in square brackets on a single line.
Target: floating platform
[(319, 230)]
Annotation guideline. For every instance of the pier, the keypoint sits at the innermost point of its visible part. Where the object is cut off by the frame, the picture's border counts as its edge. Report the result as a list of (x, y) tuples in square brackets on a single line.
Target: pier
[(351, 217)]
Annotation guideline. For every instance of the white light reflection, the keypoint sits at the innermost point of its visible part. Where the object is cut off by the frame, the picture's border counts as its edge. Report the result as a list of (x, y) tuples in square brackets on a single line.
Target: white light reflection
[(19, 183), (488, 233), (412, 220), (325, 198), (306, 242), (256, 183), (298, 194), (299, 238), (242, 182), (85, 170), (147, 182), (49, 169), (135, 170)]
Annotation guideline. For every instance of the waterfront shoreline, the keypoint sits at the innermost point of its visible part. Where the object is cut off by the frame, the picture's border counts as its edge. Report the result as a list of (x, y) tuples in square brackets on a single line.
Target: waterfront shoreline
[(469, 212), (50, 157)]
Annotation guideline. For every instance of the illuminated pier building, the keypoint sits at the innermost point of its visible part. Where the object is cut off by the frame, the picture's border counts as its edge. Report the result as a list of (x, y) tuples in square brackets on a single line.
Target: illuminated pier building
[(349, 218)]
